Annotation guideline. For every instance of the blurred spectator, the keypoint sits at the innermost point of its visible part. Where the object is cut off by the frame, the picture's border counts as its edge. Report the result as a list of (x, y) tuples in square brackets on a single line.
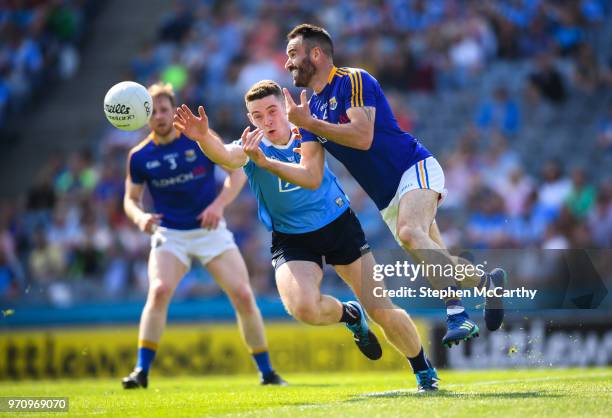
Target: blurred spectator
[(600, 218), (604, 130), (567, 33), (535, 220), (41, 198), (498, 162), (12, 275), (582, 195), (556, 188), (9, 287), (145, 65), (461, 170), (176, 73), (396, 73), (260, 66), (403, 114), (111, 182), (176, 24), (79, 174), (466, 59), (47, 261), (515, 190), (117, 271), (65, 229), (487, 227), (546, 80), (554, 239), (535, 40), (587, 73), (87, 259), (500, 113)]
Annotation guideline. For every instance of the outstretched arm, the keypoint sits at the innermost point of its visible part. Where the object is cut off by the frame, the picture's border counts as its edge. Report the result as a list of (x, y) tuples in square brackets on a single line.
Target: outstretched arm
[(358, 133), (197, 129), (307, 174)]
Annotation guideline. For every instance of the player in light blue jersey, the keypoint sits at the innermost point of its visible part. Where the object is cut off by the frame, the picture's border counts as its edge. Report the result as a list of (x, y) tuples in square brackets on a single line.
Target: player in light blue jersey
[(309, 223), (350, 116), (188, 222)]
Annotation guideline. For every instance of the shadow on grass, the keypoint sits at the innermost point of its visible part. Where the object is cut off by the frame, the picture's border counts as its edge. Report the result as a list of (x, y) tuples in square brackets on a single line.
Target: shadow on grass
[(449, 394)]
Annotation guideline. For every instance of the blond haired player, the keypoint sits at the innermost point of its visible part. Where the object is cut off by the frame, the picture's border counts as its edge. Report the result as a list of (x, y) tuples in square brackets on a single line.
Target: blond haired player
[(187, 223)]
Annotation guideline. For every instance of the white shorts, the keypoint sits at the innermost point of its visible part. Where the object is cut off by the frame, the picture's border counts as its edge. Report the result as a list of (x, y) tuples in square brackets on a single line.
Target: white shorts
[(200, 243), (426, 174)]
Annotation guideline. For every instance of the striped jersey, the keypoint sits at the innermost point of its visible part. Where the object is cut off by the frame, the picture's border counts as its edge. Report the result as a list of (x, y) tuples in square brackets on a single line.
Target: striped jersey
[(379, 169)]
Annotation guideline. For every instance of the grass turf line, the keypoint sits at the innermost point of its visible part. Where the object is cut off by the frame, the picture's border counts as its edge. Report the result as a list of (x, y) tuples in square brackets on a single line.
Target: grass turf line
[(494, 393)]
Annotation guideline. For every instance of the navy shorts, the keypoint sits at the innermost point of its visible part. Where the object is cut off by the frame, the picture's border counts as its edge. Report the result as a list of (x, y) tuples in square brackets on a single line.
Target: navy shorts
[(340, 242)]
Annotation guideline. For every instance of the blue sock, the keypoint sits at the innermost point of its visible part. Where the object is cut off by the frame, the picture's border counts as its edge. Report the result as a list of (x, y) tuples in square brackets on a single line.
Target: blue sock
[(145, 358), (262, 359)]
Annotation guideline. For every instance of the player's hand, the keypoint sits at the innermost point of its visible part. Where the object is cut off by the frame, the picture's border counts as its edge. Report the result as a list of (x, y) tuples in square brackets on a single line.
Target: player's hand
[(211, 216), (192, 126), (299, 115), (250, 146), (149, 222)]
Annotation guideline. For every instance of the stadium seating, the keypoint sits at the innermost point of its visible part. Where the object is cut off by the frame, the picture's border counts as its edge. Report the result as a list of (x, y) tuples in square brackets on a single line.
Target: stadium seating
[(213, 51)]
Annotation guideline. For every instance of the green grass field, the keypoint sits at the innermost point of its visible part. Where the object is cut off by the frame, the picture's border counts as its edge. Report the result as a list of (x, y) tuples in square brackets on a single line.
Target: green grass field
[(516, 393)]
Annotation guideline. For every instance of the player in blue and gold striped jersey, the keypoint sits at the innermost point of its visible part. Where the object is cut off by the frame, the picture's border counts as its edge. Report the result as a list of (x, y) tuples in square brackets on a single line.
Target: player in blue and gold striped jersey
[(188, 223), (351, 117)]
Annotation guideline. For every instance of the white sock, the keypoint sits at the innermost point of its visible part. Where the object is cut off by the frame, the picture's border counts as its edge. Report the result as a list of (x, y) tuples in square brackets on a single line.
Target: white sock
[(454, 309)]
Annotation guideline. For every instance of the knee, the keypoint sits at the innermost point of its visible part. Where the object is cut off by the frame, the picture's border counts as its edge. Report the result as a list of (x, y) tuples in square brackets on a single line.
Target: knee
[(387, 316), (305, 311), (242, 298), (159, 295), (411, 236), (379, 315)]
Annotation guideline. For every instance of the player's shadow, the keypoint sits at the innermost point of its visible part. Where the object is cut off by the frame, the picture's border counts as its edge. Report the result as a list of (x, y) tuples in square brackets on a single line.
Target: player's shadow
[(451, 394)]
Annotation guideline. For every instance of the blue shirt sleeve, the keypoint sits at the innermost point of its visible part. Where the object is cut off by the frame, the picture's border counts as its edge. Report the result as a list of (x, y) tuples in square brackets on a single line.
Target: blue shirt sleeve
[(307, 136), (135, 174), (358, 89)]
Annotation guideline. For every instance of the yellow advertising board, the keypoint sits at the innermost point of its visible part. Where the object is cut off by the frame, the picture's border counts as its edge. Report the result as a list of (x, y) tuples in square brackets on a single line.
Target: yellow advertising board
[(194, 349)]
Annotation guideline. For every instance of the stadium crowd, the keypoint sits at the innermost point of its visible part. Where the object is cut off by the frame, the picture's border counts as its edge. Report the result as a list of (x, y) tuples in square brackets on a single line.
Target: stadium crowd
[(39, 43), (68, 235)]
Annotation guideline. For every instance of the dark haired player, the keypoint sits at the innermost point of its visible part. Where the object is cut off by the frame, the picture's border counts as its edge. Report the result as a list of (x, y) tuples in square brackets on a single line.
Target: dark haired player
[(349, 114), (309, 223)]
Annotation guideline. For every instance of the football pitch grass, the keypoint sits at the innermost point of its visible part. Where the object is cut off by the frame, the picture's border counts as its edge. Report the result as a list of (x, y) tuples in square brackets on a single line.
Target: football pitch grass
[(491, 393)]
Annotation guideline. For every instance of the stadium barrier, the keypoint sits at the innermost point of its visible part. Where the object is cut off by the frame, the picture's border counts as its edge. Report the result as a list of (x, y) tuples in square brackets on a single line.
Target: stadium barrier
[(533, 340), (194, 349)]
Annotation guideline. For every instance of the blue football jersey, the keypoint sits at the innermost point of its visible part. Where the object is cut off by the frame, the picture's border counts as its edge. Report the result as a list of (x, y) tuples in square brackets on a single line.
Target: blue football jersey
[(179, 176), (286, 207), (379, 169)]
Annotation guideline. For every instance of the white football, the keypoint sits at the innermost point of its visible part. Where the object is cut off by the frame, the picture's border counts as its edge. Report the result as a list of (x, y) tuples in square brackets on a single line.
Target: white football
[(128, 105)]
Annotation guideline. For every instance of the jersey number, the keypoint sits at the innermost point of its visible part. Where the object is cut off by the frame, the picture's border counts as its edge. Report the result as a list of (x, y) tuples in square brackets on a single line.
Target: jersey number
[(284, 186), (172, 162)]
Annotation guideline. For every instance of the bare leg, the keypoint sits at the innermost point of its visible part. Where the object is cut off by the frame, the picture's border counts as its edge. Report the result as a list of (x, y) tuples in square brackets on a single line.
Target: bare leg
[(165, 273), (230, 272), (396, 324), (298, 284)]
